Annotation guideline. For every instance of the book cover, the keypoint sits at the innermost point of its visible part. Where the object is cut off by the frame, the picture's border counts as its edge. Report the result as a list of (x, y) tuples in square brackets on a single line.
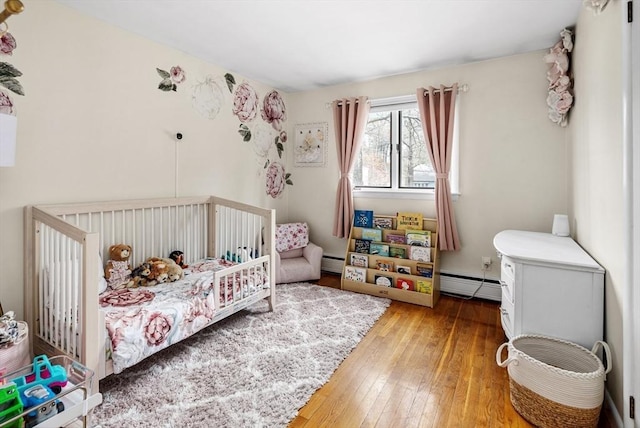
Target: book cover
[(418, 237), (424, 286), (385, 266), (354, 273), (372, 234), (405, 284), (424, 270), (396, 239), (385, 281), (379, 249), (362, 246), (383, 222), (363, 218), (421, 254), (359, 260), (398, 252), (405, 270), (407, 220)]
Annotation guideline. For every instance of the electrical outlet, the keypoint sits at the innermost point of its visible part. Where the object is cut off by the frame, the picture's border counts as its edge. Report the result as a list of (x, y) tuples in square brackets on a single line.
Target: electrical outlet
[(486, 263)]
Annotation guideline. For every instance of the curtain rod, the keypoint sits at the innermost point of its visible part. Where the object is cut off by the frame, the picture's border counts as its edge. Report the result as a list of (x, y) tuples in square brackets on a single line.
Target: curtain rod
[(461, 89)]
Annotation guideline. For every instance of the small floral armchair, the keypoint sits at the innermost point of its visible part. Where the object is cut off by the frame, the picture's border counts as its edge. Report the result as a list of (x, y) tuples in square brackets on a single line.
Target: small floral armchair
[(297, 259)]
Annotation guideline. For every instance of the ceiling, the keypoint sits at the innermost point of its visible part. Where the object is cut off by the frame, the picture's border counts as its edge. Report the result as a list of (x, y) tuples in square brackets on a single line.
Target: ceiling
[(298, 45)]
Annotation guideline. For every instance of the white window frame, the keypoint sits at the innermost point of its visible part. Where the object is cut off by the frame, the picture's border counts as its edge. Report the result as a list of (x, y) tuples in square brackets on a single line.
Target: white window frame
[(395, 192)]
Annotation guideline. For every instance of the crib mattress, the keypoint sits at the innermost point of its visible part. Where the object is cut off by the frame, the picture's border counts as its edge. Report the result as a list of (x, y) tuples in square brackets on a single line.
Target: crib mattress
[(143, 321)]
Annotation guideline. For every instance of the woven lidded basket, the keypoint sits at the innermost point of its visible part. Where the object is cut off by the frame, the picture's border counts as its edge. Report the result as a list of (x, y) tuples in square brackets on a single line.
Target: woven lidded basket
[(553, 382)]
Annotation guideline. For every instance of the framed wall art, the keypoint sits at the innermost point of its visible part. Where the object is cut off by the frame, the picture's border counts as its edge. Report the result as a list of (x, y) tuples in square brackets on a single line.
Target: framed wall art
[(310, 144)]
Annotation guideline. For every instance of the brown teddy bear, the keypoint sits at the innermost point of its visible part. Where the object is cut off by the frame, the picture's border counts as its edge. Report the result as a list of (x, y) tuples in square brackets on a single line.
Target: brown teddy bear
[(117, 271)]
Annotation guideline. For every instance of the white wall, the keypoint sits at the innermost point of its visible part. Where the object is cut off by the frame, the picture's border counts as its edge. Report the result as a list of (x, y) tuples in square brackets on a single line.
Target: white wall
[(596, 156), (513, 158), (94, 126)]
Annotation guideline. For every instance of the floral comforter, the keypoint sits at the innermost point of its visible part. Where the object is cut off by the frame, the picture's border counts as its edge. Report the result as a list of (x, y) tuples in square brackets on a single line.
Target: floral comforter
[(142, 321)]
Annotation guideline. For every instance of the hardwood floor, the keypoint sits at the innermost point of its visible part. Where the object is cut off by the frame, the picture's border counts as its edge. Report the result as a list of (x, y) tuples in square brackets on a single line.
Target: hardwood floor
[(421, 367)]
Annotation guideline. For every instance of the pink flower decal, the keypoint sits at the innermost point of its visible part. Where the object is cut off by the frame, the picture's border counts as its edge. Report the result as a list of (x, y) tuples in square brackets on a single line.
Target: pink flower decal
[(158, 328), (560, 97), (276, 179), (177, 74), (273, 110), (7, 44), (171, 78), (283, 136), (245, 103), (6, 105)]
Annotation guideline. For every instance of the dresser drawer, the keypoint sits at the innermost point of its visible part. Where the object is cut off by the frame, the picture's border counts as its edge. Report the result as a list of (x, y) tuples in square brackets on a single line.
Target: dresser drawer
[(506, 317), (507, 278)]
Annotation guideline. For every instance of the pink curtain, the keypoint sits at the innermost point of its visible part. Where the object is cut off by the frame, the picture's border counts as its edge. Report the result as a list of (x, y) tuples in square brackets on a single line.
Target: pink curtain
[(437, 108), (350, 117)]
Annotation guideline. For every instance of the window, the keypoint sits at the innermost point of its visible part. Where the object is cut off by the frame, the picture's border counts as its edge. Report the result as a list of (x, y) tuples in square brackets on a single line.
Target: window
[(393, 157)]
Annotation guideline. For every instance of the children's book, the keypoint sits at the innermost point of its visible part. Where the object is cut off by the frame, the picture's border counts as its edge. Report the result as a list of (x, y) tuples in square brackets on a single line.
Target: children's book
[(406, 270), (424, 270), (379, 249), (384, 265), (407, 220), (354, 273), (405, 284), (421, 254), (362, 246), (359, 260), (385, 281), (424, 286), (363, 218), (396, 239), (398, 252), (372, 234), (383, 222), (418, 237)]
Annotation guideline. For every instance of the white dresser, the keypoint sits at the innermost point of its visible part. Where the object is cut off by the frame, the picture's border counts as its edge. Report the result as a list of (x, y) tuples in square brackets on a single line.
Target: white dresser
[(550, 286)]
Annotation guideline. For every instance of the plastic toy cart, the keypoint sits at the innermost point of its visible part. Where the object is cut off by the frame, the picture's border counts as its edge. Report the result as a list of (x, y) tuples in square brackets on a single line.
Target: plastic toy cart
[(76, 397)]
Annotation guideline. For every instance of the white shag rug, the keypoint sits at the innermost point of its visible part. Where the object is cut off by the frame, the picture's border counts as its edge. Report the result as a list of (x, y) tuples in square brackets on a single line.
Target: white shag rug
[(254, 369)]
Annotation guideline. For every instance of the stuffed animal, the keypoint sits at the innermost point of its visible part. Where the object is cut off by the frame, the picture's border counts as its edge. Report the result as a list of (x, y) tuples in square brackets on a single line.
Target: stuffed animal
[(159, 271), (178, 257), (175, 272), (117, 271), (140, 274)]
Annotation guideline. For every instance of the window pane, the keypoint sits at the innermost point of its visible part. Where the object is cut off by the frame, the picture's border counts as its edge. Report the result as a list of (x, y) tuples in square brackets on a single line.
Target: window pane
[(416, 171), (373, 164)]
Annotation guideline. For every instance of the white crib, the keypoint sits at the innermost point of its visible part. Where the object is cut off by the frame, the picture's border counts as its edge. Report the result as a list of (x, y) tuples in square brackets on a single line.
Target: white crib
[(63, 244)]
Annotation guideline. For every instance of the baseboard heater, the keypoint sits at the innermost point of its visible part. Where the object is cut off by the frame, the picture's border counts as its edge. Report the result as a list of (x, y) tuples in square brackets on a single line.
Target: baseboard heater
[(450, 283), (466, 285)]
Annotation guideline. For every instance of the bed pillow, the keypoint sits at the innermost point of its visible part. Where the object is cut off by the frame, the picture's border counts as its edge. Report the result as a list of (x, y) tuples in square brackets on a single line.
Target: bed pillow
[(290, 236)]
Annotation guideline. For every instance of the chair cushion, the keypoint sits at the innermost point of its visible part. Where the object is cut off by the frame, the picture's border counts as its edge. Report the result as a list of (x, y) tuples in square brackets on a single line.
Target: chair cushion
[(290, 236), (291, 254)]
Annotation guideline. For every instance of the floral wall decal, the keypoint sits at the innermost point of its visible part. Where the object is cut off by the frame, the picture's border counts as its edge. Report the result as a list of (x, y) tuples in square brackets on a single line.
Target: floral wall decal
[(273, 110), (8, 75), (230, 81), (276, 179), (245, 103), (171, 78), (560, 97), (207, 97)]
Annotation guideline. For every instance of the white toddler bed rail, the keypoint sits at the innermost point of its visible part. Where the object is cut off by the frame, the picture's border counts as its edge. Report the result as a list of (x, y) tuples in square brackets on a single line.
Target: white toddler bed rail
[(63, 264)]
